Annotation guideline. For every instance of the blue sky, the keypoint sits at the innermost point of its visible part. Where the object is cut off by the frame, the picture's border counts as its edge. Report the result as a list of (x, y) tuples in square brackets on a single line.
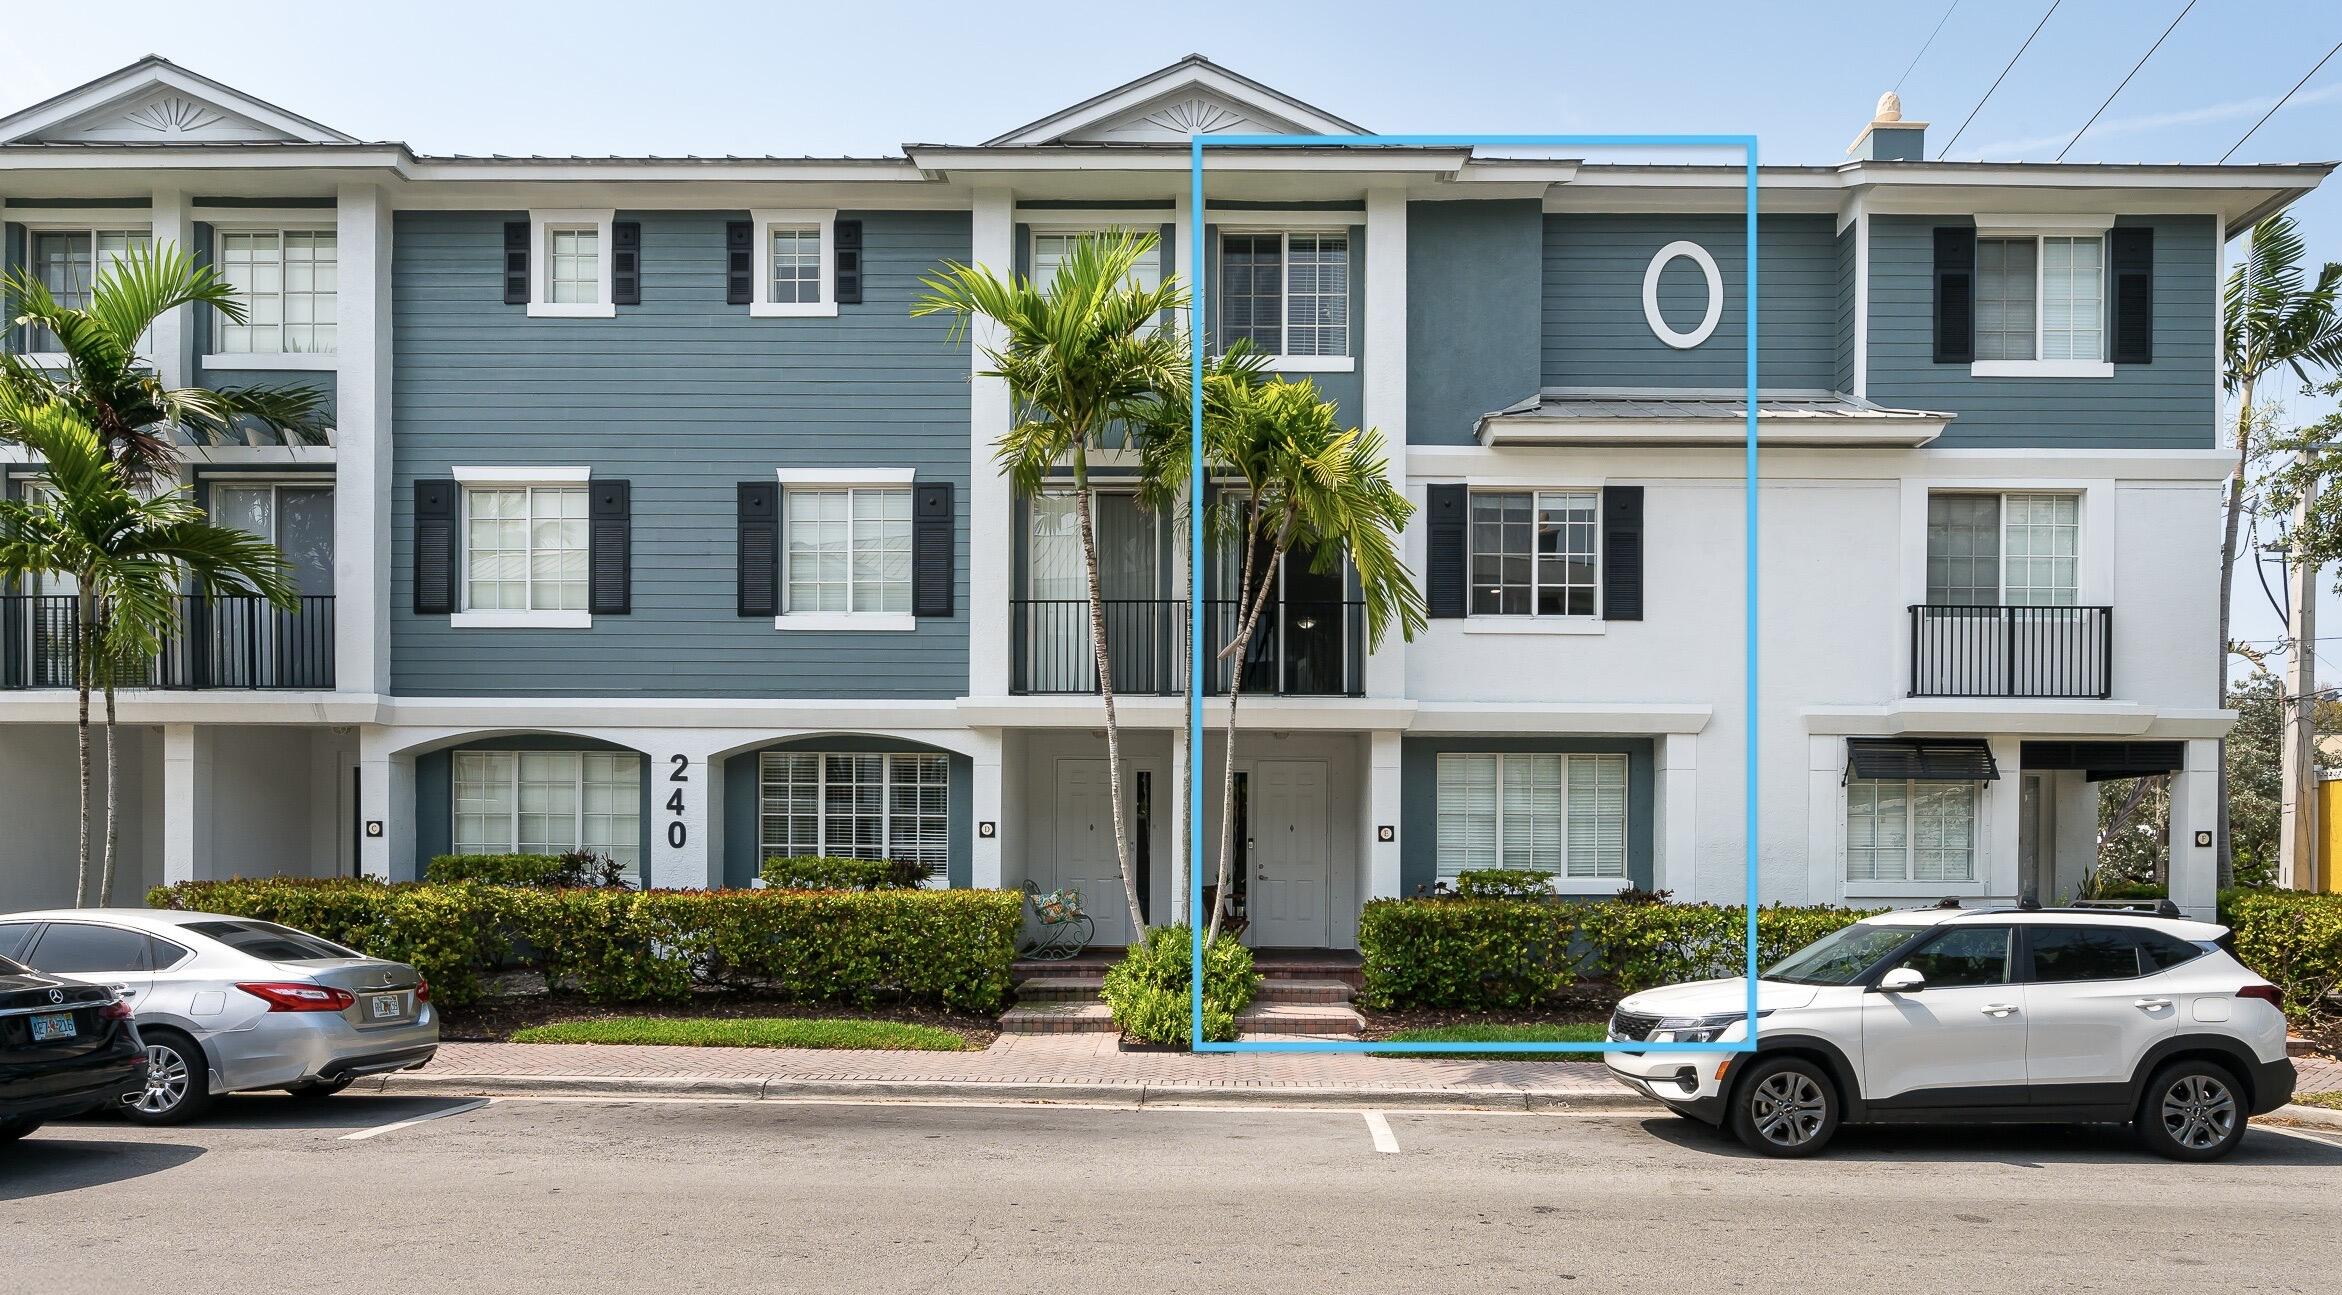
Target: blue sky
[(586, 76)]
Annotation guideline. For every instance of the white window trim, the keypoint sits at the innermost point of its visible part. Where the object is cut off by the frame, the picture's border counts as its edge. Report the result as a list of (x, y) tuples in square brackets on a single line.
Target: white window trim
[(541, 224), (1285, 229), (2036, 228), (469, 477), (886, 813), (1890, 888), (761, 304), (280, 223), (53, 220), (1561, 883), (577, 826), (838, 622), (1532, 622)]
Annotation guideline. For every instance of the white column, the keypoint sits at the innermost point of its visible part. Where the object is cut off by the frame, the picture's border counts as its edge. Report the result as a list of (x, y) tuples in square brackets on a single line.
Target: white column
[(1676, 807), (171, 340), (1182, 840), (686, 836), (2195, 807), (187, 803), (1384, 787), (386, 796), (2075, 831), (991, 509), (1999, 863), (1825, 815), (989, 804), (1384, 364), (361, 436)]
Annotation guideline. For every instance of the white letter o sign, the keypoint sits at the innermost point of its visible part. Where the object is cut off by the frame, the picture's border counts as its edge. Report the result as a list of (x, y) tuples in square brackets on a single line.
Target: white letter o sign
[(1699, 256)]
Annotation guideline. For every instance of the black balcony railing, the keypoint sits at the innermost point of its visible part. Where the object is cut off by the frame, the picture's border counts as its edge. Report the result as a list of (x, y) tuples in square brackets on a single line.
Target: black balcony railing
[(1299, 649), (2012, 651), (232, 642)]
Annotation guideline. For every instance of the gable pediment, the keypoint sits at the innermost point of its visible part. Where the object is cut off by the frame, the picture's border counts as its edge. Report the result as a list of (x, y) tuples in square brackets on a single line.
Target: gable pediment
[(154, 101), (1194, 96), (162, 115), (1173, 117)]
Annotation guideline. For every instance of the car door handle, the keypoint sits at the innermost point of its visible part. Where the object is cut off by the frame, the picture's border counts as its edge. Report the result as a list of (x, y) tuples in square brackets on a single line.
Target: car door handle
[(1999, 1009), (2151, 1004)]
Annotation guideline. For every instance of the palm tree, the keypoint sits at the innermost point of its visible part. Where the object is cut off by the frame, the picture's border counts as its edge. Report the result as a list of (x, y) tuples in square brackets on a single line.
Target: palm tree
[(1086, 354), (112, 386), (2274, 320), (129, 551), (1309, 485)]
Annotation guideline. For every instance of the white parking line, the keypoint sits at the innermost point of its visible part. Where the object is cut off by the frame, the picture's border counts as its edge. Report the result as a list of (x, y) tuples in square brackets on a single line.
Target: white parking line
[(394, 1126), (1384, 1141), (2304, 1134)]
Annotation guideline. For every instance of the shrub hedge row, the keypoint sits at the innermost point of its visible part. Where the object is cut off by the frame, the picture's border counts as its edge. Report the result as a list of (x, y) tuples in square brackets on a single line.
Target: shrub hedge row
[(953, 948), (834, 872), (2293, 938), (576, 868)]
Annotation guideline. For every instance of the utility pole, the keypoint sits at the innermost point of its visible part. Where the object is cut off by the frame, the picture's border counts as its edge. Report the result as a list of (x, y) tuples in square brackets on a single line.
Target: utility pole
[(2297, 831)]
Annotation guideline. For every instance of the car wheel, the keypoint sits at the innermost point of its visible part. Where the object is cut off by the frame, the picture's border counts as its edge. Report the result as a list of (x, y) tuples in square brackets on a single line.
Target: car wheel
[(1785, 1107), (2193, 1110), (11, 1130), (177, 1085), (317, 1088)]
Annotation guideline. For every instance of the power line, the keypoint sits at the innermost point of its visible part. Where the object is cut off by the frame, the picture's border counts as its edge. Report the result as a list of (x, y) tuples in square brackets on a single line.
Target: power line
[(2126, 80), (2004, 73), (2281, 102), (1930, 41)]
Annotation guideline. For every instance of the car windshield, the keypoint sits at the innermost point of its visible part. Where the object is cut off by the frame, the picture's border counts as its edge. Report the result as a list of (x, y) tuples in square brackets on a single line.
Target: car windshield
[(272, 943), (1840, 956)]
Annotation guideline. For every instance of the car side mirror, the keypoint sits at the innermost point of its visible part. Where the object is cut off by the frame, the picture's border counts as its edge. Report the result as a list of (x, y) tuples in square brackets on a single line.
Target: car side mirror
[(1902, 980)]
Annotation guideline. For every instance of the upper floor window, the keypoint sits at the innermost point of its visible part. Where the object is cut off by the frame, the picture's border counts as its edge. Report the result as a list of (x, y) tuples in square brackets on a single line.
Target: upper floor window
[(2017, 550), (1535, 552), (1287, 293), (2041, 298), (573, 273), (1563, 814), (69, 262), (845, 551), (525, 548), (286, 280), (796, 255), (570, 264)]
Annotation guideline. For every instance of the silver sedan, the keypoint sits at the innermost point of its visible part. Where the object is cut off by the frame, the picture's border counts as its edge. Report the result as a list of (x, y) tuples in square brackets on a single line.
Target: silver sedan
[(230, 1004)]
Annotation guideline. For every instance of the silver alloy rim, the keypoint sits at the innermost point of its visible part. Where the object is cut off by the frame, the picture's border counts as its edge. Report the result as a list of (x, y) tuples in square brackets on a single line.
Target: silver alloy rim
[(166, 1080), (1788, 1108), (2199, 1112)]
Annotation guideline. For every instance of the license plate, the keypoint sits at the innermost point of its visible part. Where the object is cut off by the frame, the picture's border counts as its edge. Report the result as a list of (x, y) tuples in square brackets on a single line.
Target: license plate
[(385, 1007), (55, 1025)]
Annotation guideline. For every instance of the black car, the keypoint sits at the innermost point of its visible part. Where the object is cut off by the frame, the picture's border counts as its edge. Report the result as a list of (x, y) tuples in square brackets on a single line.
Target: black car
[(65, 1048)]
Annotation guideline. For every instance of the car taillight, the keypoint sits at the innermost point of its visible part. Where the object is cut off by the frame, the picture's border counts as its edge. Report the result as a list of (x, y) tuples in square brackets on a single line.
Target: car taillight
[(299, 996), (114, 1011), (2269, 994), (422, 990)]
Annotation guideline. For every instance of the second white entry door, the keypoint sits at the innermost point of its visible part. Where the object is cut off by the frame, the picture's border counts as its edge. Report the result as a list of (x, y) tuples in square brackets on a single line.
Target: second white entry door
[(1085, 848), (1291, 892)]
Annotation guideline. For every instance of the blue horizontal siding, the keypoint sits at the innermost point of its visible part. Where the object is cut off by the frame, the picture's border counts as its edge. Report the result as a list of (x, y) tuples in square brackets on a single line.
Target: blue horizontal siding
[(1473, 301)]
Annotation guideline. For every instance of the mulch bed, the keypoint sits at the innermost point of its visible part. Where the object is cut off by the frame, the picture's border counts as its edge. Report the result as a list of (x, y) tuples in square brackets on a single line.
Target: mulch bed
[(2324, 1031), (493, 1020)]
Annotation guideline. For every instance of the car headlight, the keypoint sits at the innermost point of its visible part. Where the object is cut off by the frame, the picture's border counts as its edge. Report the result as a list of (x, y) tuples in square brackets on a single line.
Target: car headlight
[(1698, 1029)]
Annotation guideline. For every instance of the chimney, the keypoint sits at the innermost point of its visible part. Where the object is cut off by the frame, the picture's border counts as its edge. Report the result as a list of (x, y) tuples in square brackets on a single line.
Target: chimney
[(1889, 138)]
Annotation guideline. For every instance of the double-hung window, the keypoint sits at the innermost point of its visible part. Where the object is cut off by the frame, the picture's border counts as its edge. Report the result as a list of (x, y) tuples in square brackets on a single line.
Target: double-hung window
[(1910, 830), (526, 559), (862, 805), (2004, 550), (2041, 304), (286, 280), (1052, 247), (69, 262), (1563, 814), (550, 802), (1288, 293), (1535, 553), (571, 265), (845, 553), (795, 258)]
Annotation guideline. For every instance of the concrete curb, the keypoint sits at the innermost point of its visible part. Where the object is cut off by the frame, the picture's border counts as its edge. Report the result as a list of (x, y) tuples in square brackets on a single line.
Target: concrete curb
[(2315, 1115)]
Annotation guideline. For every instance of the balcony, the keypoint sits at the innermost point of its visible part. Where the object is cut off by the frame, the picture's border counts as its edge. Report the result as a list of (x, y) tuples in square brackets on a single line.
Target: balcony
[(233, 642), (2048, 652), (1299, 649)]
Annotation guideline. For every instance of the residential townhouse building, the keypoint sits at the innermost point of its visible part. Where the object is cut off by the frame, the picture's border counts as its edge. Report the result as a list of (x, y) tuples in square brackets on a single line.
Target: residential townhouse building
[(653, 521)]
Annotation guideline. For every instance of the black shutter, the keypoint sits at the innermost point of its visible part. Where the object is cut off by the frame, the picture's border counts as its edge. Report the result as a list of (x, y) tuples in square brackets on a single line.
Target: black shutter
[(1446, 594), (739, 262), (516, 263), (1955, 295), (626, 263), (1622, 553), (2130, 256), (931, 549), (435, 521), (760, 548), (610, 555), (846, 245)]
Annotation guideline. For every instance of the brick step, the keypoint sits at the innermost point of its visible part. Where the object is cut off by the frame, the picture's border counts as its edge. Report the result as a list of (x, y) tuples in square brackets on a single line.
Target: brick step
[(1058, 1018), (1074, 987), (1295, 989), (1079, 988)]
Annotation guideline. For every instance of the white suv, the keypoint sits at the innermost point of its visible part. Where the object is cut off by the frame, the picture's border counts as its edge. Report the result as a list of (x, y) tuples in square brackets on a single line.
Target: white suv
[(1943, 1015)]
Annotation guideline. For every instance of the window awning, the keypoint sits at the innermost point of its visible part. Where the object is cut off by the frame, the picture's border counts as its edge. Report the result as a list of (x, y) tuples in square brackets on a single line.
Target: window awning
[(2100, 761), (1928, 759)]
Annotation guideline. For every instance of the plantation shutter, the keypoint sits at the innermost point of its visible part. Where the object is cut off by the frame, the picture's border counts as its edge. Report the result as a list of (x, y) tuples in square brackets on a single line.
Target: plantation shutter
[(1955, 295), (1622, 553), (846, 245), (516, 263), (610, 540), (1446, 592), (2130, 260), (435, 555), (932, 537), (739, 262), (626, 263), (759, 536)]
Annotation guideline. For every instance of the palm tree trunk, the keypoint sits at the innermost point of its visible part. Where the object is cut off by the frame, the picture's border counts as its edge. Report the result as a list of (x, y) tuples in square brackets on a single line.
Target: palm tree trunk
[(113, 801), (1101, 659), (1250, 603), (85, 634), (2224, 860)]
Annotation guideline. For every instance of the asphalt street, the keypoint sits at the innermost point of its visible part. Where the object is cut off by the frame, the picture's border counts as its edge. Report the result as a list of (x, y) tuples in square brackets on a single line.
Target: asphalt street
[(591, 1195)]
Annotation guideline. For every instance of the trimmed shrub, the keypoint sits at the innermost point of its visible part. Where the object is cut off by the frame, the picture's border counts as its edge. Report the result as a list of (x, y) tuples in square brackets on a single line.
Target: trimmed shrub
[(1150, 989), (832, 872), (575, 868), (953, 948), (2293, 938), (1504, 883), (1637, 946), (1476, 954)]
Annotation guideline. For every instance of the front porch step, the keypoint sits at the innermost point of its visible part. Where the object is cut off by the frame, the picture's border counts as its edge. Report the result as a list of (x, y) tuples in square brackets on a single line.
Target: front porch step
[(1299, 1018), (1058, 1018), (1060, 988), (1296, 989)]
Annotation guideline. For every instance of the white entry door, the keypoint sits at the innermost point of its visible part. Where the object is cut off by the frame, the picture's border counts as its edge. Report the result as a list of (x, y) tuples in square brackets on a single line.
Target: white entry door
[(1085, 848), (1290, 895)]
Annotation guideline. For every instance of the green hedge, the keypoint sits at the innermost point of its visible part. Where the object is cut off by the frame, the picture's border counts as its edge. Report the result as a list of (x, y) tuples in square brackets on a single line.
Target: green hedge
[(1150, 990), (1493, 954), (576, 868), (831, 872), (2291, 937), (953, 948)]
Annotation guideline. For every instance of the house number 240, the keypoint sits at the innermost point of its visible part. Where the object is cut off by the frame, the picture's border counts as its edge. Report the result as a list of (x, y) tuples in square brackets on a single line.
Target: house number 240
[(677, 833)]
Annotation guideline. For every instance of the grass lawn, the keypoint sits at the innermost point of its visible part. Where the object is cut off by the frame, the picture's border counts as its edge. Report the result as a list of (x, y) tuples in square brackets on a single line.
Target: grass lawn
[(2331, 1101), (748, 1032), (1497, 1034)]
